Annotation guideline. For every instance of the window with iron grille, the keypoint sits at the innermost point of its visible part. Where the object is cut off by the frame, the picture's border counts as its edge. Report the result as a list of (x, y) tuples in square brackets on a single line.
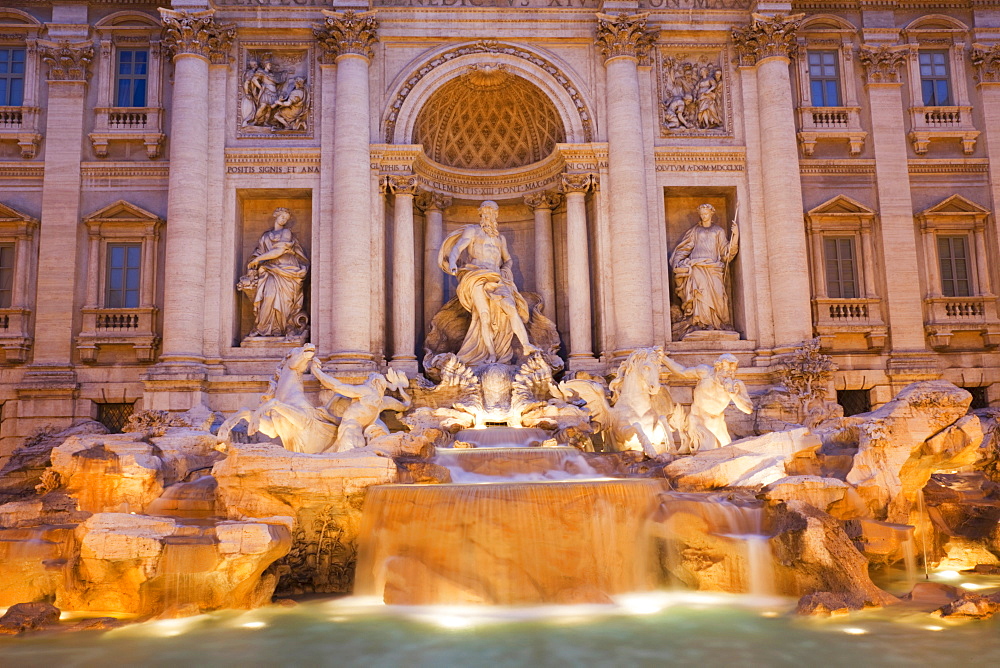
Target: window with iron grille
[(11, 77), (934, 83), (953, 255), (824, 78), (979, 399), (122, 289), (6, 275), (114, 416), (131, 77), (854, 402), (841, 270)]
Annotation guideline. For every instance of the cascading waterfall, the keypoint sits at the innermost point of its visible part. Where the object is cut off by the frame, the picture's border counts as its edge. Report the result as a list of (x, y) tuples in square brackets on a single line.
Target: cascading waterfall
[(522, 464)]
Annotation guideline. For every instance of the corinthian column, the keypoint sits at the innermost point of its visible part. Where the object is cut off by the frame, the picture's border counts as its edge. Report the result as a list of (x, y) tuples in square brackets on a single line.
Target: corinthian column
[(768, 44), (624, 40), (192, 38), (69, 69), (433, 205), (575, 187), (347, 39), (898, 239), (404, 279), (545, 282)]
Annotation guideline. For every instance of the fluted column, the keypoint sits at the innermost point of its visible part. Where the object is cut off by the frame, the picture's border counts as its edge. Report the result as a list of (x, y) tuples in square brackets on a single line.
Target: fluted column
[(767, 44), (69, 69), (192, 38), (433, 205), (347, 39), (545, 281), (898, 232), (404, 279), (575, 187), (623, 40)]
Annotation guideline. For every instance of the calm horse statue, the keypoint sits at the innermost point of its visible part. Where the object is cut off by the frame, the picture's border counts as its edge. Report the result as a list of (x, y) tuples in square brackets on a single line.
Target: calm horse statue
[(285, 412), (640, 411)]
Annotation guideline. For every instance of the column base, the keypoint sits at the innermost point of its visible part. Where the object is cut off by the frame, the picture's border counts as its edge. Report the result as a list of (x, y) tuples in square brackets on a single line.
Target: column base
[(584, 362), (351, 362), (407, 365)]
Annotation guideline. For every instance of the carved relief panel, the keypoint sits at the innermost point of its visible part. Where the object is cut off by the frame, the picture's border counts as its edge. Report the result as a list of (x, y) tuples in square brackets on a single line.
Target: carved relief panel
[(694, 91), (275, 90)]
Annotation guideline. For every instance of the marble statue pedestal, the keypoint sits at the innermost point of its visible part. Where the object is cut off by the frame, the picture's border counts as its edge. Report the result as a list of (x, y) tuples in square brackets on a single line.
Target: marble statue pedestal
[(711, 335)]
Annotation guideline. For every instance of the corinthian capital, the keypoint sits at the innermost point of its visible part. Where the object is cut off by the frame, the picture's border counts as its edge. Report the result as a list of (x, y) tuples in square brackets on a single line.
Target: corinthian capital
[(548, 199), (197, 33), (624, 35), (67, 61), (347, 32), (987, 62), (882, 62), (766, 37)]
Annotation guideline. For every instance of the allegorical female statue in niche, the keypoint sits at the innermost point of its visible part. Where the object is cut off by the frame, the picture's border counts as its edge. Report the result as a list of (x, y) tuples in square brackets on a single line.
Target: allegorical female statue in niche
[(273, 282), (700, 262)]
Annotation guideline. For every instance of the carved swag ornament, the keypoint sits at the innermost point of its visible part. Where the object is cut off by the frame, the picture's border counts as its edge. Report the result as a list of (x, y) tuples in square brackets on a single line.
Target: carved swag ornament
[(624, 35), (197, 33), (345, 33), (766, 37)]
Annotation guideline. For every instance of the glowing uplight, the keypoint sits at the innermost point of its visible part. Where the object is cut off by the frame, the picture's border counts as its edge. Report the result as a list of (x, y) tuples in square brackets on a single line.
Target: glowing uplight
[(934, 628), (948, 575), (855, 631), (254, 625), (641, 606), (451, 622), (973, 586), (769, 613)]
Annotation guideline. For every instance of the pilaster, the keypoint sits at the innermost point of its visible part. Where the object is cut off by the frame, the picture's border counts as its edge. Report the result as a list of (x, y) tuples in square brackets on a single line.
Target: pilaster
[(986, 60), (404, 280), (433, 205), (542, 204), (581, 352)]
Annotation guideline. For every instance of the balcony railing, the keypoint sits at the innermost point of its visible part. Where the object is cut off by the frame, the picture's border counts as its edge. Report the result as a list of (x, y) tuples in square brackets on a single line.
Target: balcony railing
[(831, 123), (833, 318), (127, 123), (950, 315), (20, 124), (117, 326), (931, 123)]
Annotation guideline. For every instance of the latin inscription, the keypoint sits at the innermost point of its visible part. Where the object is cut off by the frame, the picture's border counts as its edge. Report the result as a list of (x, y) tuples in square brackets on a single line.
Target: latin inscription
[(272, 169), (578, 4)]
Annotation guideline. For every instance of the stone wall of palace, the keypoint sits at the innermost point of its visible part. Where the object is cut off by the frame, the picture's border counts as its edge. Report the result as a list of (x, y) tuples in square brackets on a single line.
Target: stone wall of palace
[(856, 144)]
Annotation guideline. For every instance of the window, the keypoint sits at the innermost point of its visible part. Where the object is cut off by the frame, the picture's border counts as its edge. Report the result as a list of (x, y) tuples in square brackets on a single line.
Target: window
[(130, 79), (854, 402), (114, 416), (953, 255), (6, 275), (934, 78), (841, 275), (824, 80), (979, 397), (123, 276), (12, 63)]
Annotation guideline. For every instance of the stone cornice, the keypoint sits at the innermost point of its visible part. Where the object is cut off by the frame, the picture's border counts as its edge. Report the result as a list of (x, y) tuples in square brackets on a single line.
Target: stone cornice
[(882, 63), (766, 37), (348, 32), (196, 33), (67, 61), (625, 36), (987, 62)]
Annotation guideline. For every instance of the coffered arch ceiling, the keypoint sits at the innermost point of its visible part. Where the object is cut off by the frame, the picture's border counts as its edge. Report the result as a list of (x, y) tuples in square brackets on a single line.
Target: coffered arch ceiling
[(488, 118)]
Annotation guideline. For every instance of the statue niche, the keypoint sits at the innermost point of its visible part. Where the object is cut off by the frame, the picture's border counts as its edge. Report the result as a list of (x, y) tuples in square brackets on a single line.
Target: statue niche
[(489, 321), (276, 272)]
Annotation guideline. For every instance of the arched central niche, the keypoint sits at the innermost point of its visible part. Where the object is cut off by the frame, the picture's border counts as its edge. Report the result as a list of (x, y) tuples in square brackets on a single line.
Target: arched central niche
[(488, 118)]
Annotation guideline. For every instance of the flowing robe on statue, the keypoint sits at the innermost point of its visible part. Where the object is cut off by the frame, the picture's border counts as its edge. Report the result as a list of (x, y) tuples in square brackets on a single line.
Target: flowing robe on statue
[(474, 348), (699, 262), (278, 299)]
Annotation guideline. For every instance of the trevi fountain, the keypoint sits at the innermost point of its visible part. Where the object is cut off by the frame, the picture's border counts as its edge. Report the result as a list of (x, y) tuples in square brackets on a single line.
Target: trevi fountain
[(533, 382), (498, 509)]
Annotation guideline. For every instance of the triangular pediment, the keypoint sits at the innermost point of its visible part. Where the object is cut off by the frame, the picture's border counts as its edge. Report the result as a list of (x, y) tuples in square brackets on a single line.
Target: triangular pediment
[(123, 211), (10, 215), (956, 204), (843, 205)]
